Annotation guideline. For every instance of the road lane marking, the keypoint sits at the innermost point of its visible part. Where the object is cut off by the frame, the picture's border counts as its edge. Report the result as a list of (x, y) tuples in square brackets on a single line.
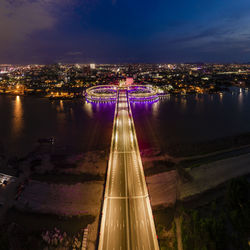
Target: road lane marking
[(127, 197), (133, 172)]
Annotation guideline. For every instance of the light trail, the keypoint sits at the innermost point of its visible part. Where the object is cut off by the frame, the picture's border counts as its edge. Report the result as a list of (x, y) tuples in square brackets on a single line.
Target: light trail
[(127, 220)]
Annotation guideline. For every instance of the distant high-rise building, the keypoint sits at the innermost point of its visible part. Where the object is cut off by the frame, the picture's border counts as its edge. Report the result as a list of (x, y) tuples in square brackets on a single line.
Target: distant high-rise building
[(129, 80), (92, 66), (122, 83), (4, 68)]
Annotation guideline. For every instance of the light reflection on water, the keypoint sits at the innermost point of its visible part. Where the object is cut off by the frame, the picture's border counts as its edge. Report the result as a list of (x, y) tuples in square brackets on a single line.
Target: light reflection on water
[(193, 118), (17, 122), (78, 125), (183, 104), (61, 105), (221, 97), (240, 98), (88, 108), (155, 108), (85, 126)]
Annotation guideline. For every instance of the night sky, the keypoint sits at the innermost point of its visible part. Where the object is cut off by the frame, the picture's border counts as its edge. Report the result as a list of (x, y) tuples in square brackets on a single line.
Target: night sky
[(124, 31)]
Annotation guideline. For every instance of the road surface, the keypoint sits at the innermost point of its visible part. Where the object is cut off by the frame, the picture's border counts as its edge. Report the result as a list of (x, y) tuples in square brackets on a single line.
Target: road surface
[(127, 220)]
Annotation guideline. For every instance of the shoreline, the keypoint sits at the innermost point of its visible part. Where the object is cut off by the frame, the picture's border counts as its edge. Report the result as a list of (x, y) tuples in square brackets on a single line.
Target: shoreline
[(178, 152), (80, 95), (40, 164)]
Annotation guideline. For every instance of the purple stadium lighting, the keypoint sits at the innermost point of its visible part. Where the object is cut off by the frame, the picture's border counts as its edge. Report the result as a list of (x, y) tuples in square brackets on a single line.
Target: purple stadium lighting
[(108, 93)]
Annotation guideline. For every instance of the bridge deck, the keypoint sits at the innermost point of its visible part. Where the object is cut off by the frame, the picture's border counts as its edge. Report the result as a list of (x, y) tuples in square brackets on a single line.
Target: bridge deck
[(127, 221)]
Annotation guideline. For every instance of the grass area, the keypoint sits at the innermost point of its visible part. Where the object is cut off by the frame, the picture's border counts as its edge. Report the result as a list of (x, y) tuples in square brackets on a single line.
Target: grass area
[(69, 179), (36, 222), (164, 217), (60, 161), (191, 149), (159, 167), (222, 224), (199, 161), (165, 228), (215, 157), (22, 230), (4, 241)]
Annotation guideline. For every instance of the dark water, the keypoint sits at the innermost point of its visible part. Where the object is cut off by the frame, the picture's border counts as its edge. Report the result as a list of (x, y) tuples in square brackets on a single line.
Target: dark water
[(192, 119), (82, 126), (78, 125)]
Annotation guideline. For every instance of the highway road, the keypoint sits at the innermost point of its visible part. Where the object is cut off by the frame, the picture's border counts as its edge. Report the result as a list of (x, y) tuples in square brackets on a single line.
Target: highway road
[(127, 220)]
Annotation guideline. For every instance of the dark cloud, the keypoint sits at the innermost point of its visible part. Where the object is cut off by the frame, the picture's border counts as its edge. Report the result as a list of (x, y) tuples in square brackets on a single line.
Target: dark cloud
[(228, 35), (34, 31), (19, 19), (74, 53)]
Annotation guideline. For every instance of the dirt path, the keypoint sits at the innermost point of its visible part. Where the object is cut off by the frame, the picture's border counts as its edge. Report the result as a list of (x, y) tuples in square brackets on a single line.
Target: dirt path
[(211, 175), (164, 188), (224, 151), (178, 233)]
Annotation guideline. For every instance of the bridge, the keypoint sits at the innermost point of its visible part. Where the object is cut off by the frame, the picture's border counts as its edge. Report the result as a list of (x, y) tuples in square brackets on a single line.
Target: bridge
[(127, 220), (136, 93)]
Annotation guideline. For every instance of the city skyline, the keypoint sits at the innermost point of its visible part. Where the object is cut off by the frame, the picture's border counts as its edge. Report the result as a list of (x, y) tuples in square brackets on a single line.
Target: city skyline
[(124, 124), (124, 31)]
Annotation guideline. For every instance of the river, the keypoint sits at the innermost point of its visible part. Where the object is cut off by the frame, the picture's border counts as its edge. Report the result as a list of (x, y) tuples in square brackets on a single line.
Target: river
[(83, 127)]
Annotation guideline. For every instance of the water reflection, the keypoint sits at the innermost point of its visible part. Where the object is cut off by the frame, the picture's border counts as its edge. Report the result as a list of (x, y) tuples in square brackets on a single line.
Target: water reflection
[(61, 106), (88, 108), (155, 108), (72, 113), (17, 116), (199, 103), (240, 98), (171, 120), (221, 97), (183, 104), (98, 107)]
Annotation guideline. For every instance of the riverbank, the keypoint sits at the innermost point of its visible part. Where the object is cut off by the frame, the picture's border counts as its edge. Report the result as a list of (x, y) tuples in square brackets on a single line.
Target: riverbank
[(58, 186), (156, 161), (168, 187), (206, 147), (192, 186), (217, 219), (70, 185)]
